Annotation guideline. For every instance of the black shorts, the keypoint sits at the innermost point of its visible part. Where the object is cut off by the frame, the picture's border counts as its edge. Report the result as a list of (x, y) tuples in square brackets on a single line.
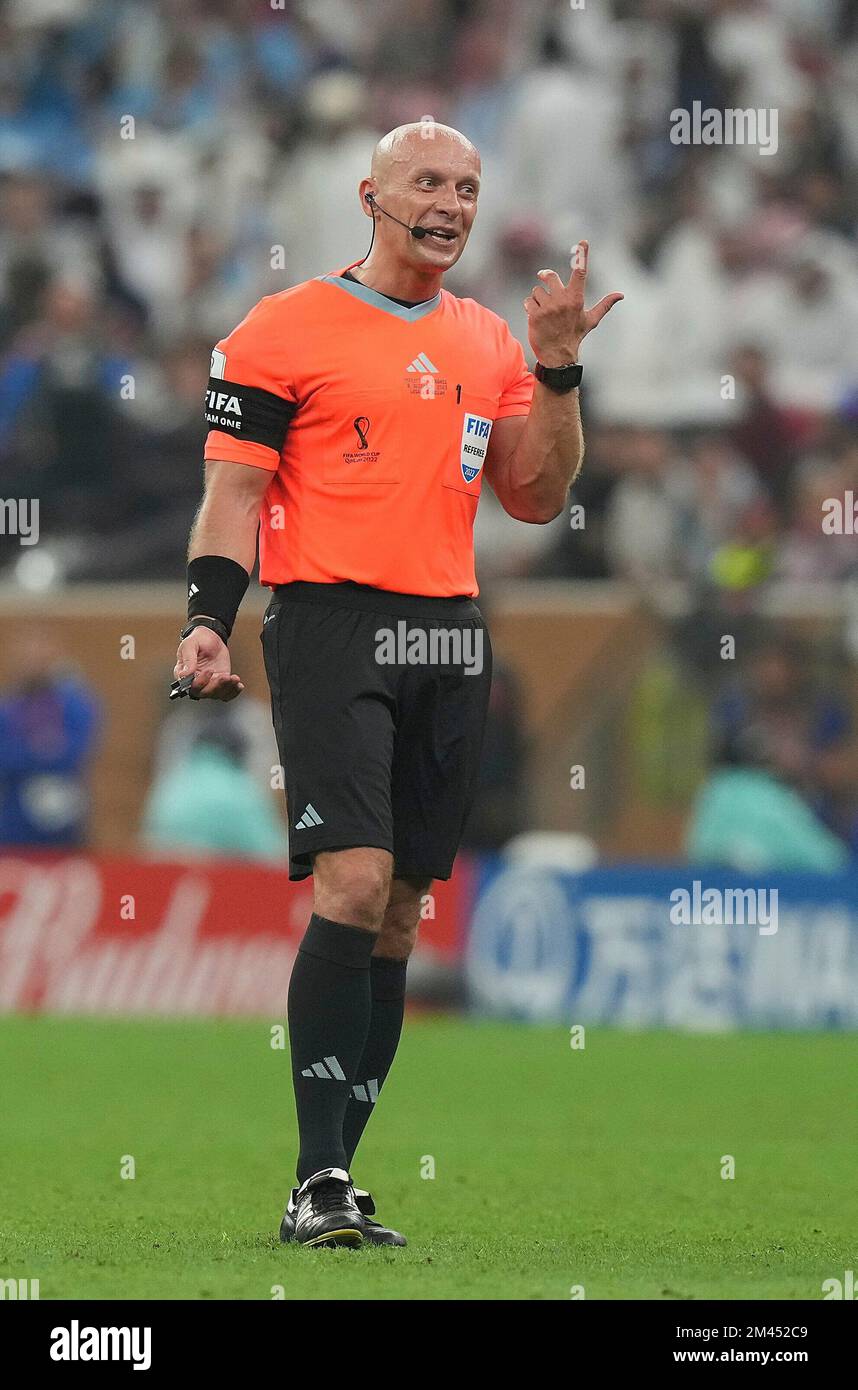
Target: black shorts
[(379, 703)]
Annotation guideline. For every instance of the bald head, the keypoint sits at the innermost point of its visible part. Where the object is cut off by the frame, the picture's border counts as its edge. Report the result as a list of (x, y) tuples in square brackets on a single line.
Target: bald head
[(415, 141)]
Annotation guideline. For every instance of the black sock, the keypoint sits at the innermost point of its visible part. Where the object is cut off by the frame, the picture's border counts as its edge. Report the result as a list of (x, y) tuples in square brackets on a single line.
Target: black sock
[(330, 1004), (387, 979)]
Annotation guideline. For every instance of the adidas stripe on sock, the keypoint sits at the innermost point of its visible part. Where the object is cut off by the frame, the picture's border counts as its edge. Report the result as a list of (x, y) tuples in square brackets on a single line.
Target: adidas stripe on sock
[(329, 1009)]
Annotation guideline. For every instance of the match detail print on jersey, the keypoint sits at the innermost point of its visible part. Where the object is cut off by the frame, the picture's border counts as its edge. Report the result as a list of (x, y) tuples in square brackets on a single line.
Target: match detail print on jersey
[(375, 422)]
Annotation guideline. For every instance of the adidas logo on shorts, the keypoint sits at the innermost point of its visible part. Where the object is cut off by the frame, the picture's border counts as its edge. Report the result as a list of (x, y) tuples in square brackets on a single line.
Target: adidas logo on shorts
[(310, 818)]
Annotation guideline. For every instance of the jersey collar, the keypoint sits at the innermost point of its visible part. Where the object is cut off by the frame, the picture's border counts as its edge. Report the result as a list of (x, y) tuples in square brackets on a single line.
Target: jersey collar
[(380, 301)]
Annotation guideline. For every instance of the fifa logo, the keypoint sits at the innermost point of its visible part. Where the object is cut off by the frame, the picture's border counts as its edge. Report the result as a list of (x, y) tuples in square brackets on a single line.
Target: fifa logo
[(222, 400), (361, 425)]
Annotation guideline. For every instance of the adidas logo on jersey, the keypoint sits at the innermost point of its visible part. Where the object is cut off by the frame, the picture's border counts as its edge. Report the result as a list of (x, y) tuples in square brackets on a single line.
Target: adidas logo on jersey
[(422, 378), (421, 363), (310, 818), (329, 1070)]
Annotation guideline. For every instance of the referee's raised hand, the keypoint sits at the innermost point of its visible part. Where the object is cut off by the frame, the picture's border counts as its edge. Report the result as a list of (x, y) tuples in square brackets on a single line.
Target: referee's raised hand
[(203, 655), (557, 320)]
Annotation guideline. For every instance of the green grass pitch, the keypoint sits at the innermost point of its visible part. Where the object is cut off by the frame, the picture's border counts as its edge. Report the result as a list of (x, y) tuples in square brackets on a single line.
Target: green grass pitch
[(554, 1168)]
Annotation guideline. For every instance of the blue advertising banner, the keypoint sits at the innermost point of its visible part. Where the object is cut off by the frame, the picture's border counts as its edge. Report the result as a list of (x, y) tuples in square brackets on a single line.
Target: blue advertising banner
[(660, 947)]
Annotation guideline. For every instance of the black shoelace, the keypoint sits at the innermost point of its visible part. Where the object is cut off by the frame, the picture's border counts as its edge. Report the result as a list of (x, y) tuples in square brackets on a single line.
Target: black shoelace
[(327, 1196)]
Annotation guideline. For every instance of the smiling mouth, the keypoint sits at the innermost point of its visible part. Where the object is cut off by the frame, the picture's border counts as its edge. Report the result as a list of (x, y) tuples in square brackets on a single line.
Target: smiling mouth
[(439, 234)]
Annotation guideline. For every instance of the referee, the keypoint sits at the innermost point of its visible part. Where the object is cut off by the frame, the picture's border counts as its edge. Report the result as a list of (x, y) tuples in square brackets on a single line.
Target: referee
[(352, 420)]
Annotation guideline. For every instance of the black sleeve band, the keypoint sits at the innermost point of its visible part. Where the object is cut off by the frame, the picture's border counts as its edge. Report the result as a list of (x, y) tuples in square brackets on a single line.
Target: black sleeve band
[(216, 586), (248, 412)]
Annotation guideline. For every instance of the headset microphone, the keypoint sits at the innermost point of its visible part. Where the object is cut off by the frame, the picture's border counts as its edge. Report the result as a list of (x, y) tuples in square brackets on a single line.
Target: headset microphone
[(417, 232)]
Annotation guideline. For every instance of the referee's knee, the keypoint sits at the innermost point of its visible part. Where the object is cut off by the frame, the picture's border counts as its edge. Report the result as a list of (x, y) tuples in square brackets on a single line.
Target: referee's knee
[(398, 934), (352, 886)]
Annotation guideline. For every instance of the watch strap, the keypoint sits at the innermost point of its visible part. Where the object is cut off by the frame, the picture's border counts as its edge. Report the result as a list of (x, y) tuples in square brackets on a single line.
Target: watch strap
[(560, 379), (214, 623)]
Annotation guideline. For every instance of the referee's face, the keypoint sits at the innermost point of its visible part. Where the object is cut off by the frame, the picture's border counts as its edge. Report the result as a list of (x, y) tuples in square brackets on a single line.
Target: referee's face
[(433, 184)]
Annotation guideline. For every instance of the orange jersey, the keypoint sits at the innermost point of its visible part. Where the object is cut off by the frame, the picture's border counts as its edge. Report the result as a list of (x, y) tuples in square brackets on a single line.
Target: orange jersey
[(373, 420)]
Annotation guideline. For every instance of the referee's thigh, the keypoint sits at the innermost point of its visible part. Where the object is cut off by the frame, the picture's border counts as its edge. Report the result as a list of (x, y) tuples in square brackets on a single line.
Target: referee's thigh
[(334, 718), (439, 741)]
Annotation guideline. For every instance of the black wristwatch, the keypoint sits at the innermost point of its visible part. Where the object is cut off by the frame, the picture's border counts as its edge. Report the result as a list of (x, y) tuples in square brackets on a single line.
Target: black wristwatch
[(214, 623), (559, 379)]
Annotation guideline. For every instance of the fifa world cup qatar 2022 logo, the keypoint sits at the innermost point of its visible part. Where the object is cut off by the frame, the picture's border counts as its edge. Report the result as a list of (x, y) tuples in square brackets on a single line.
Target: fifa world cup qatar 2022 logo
[(363, 453)]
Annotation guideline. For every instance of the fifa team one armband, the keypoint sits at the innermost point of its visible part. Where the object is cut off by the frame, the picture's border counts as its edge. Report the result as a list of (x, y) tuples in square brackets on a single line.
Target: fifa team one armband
[(248, 413)]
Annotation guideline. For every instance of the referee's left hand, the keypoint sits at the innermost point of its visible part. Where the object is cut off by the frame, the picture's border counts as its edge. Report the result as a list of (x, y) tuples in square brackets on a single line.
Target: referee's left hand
[(556, 318), (203, 655)]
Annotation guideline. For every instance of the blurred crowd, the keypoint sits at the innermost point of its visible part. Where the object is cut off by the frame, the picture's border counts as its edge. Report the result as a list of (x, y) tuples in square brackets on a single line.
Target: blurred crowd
[(165, 163)]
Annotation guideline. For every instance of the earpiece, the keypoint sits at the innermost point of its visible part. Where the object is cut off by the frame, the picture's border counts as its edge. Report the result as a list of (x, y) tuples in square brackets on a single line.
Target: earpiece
[(416, 232)]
